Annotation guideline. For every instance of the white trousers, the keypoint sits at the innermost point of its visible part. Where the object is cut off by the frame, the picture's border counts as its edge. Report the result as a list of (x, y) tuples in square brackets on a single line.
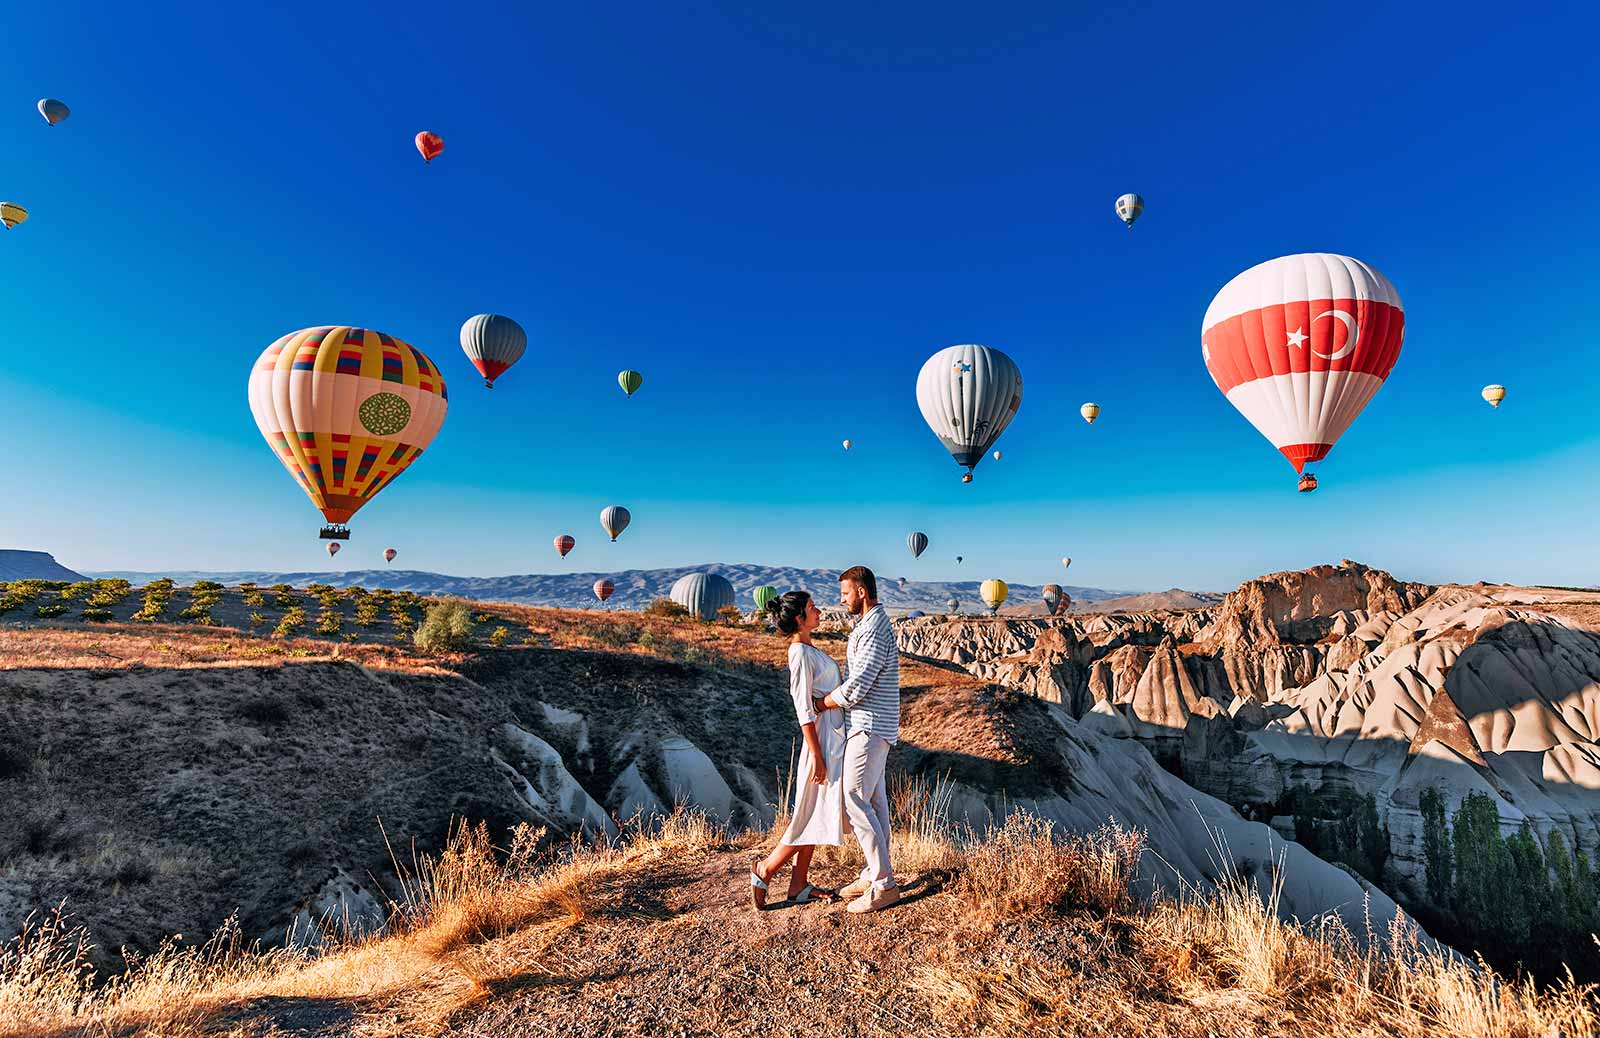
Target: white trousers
[(866, 802)]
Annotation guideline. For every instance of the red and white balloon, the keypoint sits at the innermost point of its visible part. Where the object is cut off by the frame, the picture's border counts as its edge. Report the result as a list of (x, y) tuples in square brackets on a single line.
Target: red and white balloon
[(1300, 344)]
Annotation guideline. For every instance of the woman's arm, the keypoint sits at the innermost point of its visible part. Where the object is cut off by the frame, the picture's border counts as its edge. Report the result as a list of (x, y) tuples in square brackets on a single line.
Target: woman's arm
[(819, 766)]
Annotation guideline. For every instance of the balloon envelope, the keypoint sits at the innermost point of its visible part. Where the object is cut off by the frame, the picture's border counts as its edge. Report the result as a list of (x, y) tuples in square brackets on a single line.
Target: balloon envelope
[(994, 593), (954, 603), (1494, 394), (493, 343), (914, 614), (333, 548), (917, 541), (430, 145), (603, 589), (630, 381), (54, 111), (389, 554), (346, 410), (1300, 344), (1129, 206), (564, 544), (614, 519), (1090, 412), (1052, 596), (968, 395), (12, 214), (762, 595), (847, 445), (703, 594)]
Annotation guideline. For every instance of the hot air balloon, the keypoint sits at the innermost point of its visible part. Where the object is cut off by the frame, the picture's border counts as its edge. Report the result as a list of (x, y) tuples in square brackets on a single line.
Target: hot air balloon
[(493, 343), (333, 548), (1052, 597), (603, 589), (847, 445), (12, 214), (388, 554), (346, 410), (762, 595), (1090, 412), (614, 519), (1129, 206), (958, 560), (917, 541), (994, 593), (1066, 561), (996, 455), (703, 594), (430, 144), (630, 381), (915, 614), (53, 111), (954, 603), (1494, 394), (968, 395), (1299, 344), (904, 581), (564, 544)]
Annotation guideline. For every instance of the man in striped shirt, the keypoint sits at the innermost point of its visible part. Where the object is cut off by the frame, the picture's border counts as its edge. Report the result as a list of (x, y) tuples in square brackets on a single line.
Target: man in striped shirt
[(870, 697)]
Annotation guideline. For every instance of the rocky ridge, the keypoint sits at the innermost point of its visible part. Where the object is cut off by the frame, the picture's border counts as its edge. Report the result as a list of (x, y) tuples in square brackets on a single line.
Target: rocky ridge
[(1339, 678)]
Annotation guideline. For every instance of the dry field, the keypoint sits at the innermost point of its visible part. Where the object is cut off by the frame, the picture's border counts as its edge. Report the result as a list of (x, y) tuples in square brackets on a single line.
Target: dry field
[(1003, 933)]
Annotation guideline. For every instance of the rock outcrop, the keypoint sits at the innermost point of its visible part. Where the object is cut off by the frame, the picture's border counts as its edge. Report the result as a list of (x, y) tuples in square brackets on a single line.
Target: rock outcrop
[(1339, 678)]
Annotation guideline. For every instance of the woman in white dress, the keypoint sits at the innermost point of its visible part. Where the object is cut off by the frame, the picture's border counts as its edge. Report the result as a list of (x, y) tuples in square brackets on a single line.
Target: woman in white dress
[(818, 815)]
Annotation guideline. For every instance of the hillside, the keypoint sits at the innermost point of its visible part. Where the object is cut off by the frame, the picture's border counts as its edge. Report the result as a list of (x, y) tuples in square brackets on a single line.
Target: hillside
[(635, 589), (33, 565), (577, 719)]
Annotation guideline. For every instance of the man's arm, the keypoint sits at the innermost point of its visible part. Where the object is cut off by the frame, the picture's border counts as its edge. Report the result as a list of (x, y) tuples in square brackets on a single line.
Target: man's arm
[(878, 651)]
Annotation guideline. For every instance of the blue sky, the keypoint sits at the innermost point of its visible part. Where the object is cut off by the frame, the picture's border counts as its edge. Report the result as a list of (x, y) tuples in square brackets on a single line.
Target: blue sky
[(777, 217)]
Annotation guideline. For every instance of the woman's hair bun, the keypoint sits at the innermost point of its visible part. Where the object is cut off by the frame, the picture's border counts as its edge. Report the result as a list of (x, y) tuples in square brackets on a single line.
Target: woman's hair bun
[(786, 610)]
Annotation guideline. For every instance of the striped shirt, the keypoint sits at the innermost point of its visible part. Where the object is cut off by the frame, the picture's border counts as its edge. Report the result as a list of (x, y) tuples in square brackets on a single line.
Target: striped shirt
[(871, 690)]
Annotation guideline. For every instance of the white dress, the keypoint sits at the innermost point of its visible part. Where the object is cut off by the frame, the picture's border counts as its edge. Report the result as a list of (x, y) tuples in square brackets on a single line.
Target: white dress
[(818, 815)]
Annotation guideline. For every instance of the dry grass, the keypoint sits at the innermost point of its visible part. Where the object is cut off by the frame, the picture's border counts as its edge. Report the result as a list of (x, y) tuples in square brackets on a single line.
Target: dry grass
[(1028, 932)]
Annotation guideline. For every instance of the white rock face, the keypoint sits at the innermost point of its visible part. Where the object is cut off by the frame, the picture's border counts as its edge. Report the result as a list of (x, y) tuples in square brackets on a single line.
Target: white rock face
[(342, 905), (541, 779)]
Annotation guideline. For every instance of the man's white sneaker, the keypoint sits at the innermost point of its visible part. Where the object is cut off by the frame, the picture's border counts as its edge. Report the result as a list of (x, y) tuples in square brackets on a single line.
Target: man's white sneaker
[(874, 900)]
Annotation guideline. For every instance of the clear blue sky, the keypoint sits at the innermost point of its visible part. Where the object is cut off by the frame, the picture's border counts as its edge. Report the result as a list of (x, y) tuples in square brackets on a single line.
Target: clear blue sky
[(777, 218)]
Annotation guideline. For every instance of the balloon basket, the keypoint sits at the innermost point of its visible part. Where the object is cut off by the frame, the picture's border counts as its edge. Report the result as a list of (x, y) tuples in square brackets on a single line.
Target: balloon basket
[(335, 533), (1308, 483)]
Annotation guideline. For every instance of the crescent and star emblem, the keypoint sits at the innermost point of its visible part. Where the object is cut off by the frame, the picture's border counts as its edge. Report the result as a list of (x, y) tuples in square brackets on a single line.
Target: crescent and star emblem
[(1352, 332)]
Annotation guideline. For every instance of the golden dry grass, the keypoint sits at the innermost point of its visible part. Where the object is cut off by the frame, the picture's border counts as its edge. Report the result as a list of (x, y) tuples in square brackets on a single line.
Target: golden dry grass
[(1039, 935)]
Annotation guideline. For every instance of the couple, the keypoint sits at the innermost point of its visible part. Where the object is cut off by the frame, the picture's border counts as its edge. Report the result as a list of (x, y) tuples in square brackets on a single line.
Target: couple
[(848, 726)]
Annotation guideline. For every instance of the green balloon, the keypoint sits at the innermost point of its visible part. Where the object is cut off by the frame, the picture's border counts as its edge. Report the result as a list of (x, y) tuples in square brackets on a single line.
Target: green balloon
[(763, 595), (630, 381)]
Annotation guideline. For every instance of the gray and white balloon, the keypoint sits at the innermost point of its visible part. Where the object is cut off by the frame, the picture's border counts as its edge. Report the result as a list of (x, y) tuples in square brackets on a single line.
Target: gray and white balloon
[(703, 594), (493, 343), (968, 395)]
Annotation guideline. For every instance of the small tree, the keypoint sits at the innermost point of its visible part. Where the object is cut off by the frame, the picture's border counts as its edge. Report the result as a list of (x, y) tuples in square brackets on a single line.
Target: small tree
[(667, 609), (447, 628), (730, 614)]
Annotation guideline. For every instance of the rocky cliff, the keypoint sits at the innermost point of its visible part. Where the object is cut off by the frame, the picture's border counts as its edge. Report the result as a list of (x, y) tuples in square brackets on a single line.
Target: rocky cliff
[(1340, 678)]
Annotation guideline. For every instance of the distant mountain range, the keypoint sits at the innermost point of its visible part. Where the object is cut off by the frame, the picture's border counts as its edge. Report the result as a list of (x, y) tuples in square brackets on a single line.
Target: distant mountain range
[(636, 588), (33, 565)]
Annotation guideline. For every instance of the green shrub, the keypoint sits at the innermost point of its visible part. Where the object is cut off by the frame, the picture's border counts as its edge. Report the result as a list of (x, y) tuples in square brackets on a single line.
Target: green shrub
[(95, 615), (256, 619), (499, 637), (197, 612), (78, 591), (205, 585), (47, 610), (290, 623), (447, 628), (108, 593), (286, 597), (367, 613), (255, 600), (329, 622)]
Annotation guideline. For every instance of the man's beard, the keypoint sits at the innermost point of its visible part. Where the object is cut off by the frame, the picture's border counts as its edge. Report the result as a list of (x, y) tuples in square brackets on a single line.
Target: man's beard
[(857, 608)]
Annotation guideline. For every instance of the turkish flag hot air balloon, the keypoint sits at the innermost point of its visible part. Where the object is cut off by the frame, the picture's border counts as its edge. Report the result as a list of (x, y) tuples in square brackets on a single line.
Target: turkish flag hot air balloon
[(1299, 344), (564, 544), (346, 410), (430, 145)]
